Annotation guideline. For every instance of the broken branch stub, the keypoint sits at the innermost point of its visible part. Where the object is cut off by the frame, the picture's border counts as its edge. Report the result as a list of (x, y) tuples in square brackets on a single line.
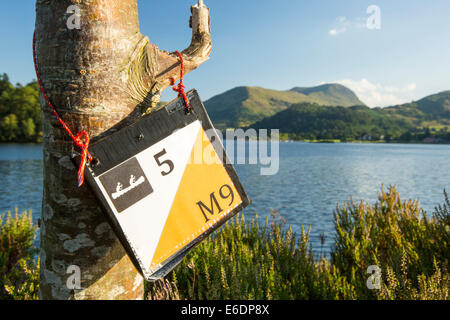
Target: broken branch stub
[(162, 66)]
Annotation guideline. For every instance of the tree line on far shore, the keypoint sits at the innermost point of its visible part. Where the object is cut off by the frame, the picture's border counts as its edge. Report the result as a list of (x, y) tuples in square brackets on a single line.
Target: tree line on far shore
[(427, 120), (312, 122), (20, 115)]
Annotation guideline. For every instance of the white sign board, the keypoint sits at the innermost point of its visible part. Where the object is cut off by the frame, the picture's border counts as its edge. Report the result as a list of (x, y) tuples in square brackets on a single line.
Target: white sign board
[(165, 185)]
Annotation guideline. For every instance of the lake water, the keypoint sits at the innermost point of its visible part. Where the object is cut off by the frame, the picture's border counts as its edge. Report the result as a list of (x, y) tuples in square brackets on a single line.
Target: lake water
[(312, 179)]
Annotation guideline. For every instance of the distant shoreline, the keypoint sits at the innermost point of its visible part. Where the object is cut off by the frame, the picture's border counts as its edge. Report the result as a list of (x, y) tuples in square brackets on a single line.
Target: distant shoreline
[(334, 141), (365, 141)]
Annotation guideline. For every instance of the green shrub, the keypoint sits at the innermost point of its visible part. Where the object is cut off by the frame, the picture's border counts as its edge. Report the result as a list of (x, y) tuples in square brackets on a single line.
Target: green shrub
[(245, 261), (19, 272), (412, 250)]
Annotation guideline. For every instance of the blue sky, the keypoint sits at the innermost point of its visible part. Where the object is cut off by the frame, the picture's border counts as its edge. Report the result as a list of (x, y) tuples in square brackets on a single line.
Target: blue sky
[(280, 44)]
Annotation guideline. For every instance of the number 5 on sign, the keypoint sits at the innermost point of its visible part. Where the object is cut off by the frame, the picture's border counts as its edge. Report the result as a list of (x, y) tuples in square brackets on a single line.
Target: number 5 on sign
[(159, 198), (166, 162)]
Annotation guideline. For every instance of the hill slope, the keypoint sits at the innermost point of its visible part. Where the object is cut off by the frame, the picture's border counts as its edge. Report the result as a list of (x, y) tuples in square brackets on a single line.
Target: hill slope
[(429, 116), (332, 95), (434, 108), (243, 106), (311, 121)]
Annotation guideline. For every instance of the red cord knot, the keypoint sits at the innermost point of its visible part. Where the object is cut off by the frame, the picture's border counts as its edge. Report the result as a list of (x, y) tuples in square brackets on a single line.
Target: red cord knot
[(82, 141), (180, 87)]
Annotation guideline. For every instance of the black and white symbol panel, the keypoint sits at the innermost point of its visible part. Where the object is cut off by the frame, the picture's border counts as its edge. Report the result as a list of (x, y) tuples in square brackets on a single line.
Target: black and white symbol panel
[(126, 184)]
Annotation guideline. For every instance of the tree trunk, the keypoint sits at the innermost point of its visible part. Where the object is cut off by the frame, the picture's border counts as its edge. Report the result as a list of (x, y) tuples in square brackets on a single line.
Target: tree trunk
[(100, 78)]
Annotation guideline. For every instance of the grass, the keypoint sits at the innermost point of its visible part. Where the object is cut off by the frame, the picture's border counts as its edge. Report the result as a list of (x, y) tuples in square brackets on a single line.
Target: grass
[(245, 260)]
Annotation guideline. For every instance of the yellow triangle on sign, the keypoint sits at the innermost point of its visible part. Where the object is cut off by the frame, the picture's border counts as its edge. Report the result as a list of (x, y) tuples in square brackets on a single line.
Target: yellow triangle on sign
[(206, 195)]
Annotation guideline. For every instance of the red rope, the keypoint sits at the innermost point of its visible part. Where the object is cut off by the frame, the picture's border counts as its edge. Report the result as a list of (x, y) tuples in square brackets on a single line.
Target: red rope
[(81, 140), (180, 87)]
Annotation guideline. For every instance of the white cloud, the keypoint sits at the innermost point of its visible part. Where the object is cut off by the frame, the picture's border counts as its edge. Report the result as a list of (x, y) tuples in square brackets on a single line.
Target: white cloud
[(341, 19), (377, 95), (343, 24), (334, 32)]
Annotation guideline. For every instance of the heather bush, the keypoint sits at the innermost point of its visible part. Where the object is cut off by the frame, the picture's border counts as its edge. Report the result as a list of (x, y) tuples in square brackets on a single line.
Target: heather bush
[(19, 270), (245, 260), (411, 249)]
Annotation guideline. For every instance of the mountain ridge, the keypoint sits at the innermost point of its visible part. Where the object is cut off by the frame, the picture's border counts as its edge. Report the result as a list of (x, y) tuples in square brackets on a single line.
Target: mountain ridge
[(244, 105)]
